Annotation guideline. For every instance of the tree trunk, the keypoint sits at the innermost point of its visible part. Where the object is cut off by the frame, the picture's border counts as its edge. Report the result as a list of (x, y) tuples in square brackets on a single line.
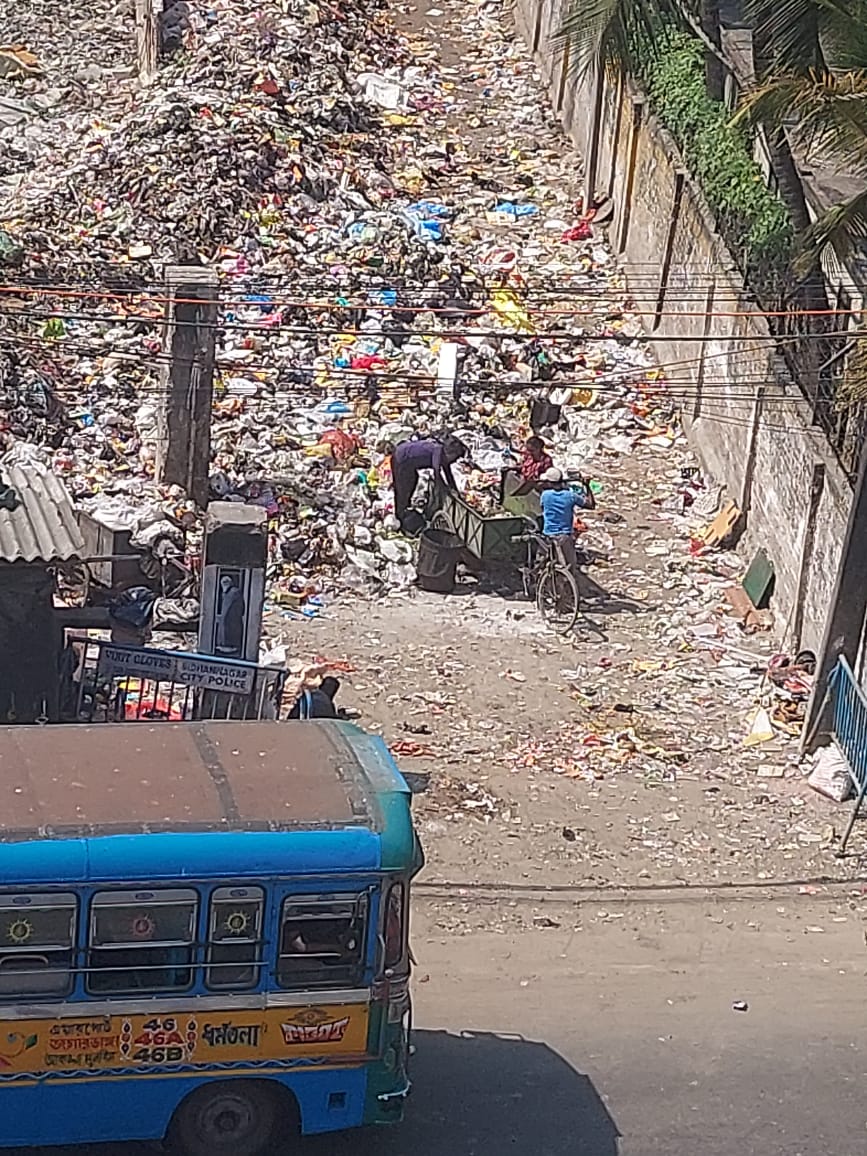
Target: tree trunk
[(789, 184), (809, 352), (714, 73)]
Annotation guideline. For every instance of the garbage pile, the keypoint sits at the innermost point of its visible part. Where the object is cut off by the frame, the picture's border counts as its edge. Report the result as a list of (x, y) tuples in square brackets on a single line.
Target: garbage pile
[(381, 277)]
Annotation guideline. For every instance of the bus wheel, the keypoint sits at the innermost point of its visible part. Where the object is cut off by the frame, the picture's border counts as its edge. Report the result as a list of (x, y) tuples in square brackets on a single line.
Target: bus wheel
[(234, 1116)]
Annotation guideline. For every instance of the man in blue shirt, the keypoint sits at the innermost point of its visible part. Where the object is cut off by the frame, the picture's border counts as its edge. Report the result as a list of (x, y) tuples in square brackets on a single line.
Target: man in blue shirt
[(559, 503)]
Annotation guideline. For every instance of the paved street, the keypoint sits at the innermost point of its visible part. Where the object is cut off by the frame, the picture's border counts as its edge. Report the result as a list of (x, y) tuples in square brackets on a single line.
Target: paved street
[(620, 1039)]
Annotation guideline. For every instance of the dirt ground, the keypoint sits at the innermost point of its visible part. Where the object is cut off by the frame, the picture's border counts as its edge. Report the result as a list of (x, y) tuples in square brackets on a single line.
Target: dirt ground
[(440, 672), (615, 756)]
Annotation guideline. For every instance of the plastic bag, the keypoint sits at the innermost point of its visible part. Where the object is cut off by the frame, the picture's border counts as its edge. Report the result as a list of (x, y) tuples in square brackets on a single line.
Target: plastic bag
[(830, 774)]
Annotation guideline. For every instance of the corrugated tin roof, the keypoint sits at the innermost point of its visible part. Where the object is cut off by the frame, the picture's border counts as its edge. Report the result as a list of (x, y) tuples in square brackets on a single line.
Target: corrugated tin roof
[(42, 528)]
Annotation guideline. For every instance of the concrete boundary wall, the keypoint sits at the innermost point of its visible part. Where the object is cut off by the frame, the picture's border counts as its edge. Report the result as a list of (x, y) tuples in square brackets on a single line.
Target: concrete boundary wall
[(743, 414)]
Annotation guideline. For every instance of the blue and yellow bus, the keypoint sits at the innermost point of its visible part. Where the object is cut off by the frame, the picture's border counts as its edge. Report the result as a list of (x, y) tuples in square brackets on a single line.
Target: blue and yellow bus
[(203, 933)]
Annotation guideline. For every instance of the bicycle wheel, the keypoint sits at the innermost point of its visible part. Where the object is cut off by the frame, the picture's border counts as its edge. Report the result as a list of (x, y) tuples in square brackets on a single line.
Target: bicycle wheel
[(557, 598)]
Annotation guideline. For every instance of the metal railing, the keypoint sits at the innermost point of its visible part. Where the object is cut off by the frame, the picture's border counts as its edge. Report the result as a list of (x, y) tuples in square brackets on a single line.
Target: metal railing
[(849, 729), (106, 682)]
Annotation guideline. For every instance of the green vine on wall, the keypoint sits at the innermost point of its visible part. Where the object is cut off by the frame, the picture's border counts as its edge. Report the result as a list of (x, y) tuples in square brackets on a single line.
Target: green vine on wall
[(719, 156)]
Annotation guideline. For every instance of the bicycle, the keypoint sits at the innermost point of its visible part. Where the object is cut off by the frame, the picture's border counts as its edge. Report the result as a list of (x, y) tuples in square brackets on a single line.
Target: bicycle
[(549, 582)]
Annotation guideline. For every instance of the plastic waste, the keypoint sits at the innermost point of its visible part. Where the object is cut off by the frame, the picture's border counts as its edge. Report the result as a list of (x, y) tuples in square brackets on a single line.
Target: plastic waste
[(830, 774), (514, 209)]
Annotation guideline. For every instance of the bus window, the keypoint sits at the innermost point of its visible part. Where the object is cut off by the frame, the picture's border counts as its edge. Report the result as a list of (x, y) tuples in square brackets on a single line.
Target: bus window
[(141, 941), (37, 934), (235, 939), (322, 941)]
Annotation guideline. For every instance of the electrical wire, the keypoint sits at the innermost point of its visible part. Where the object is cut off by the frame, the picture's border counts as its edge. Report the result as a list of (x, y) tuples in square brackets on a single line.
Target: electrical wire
[(667, 388), (531, 311), (402, 290), (268, 331), (630, 274), (61, 345)]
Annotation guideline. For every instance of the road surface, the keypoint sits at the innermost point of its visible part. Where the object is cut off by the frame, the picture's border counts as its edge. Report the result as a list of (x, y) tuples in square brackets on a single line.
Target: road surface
[(621, 1038)]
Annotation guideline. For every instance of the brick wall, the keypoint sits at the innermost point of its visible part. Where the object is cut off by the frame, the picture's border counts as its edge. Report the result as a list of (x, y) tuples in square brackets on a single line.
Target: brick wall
[(744, 416)]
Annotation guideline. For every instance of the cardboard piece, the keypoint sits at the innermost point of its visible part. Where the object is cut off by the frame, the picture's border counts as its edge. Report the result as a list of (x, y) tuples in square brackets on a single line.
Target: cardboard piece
[(722, 527), (743, 609)]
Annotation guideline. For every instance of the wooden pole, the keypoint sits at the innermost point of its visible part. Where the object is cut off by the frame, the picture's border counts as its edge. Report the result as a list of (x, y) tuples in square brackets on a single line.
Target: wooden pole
[(591, 158), (746, 495), (702, 363), (816, 489), (537, 30), (564, 75), (189, 338), (147, 38)]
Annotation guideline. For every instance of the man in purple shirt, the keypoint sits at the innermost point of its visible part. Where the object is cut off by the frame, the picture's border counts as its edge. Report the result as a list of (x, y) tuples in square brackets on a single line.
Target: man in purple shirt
[(409, 458)]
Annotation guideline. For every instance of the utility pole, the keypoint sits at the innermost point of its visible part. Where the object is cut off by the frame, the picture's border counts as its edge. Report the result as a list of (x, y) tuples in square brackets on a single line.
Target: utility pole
[(845, 623), (189, 339), (591, 159), (147, 38)]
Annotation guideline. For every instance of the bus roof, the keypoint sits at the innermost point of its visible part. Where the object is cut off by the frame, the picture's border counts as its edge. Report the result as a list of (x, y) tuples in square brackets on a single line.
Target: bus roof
[(126, 778), (156, 801), (141, 801)]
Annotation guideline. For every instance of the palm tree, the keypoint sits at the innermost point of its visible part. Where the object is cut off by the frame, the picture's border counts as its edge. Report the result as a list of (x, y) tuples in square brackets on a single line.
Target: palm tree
[(812, 57), (625, 32), (608, 31), (604, 34), (611, 31)]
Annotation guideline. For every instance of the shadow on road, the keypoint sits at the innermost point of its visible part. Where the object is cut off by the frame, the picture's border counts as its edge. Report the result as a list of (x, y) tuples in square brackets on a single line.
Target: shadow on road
[(479, 1094), (475, 1094)]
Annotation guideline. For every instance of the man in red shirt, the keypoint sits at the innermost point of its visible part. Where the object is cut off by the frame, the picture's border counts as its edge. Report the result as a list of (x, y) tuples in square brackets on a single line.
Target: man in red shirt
[(534, 461)]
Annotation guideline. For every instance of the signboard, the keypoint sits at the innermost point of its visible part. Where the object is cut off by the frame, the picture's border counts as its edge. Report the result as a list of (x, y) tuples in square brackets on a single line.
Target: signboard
[(188, 1040), (135, 662), (212, 674), (187, 669), (230, 622)]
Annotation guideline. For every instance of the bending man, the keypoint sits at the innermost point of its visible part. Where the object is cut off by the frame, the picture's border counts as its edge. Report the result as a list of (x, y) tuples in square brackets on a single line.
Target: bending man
[(410, 458)]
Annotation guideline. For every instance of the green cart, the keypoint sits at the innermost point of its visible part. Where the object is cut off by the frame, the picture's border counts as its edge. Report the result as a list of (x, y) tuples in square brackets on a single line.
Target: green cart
[(488, 537)]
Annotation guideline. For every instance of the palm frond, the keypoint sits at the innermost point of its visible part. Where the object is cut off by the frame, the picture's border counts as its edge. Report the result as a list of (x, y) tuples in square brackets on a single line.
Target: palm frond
[(825, 112), (787, 31), (605, 29), (844, 228), (588, 24), (843, 33)]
